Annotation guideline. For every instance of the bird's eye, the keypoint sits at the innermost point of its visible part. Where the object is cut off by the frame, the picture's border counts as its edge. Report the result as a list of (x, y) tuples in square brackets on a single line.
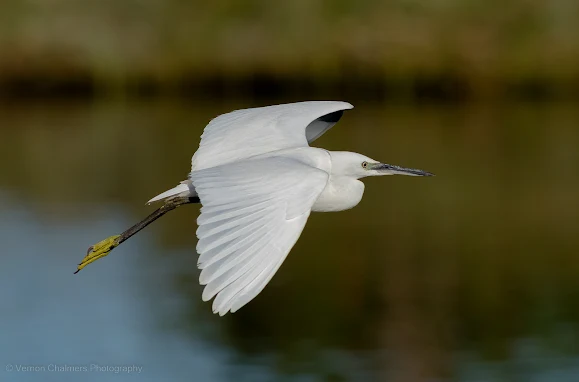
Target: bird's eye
[(364, 164)]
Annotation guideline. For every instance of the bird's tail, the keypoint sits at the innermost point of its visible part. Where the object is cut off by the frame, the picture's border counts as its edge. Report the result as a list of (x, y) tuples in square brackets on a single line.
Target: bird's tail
[(185, 188)]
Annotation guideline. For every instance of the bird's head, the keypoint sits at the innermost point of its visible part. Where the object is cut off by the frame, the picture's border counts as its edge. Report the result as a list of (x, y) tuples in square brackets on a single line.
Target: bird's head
[(356, 165)]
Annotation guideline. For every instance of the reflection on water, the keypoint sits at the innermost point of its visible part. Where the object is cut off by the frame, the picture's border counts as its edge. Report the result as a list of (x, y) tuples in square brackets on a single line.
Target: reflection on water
[(468, 276)]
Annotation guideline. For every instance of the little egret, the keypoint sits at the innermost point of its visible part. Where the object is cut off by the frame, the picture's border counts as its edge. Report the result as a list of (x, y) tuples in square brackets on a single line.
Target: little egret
[(257, 180)]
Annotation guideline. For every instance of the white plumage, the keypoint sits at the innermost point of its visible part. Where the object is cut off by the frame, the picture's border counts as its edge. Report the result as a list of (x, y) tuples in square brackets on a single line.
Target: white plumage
[(253, 213), (258, 180), (244, 133)]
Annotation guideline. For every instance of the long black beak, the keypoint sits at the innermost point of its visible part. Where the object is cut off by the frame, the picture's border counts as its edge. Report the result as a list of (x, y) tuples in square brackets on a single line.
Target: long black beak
[(389, 169)]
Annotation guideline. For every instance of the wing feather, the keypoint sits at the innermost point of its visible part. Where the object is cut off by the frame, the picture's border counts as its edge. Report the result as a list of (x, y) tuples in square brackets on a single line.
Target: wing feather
[(244, 133), (253, 213)]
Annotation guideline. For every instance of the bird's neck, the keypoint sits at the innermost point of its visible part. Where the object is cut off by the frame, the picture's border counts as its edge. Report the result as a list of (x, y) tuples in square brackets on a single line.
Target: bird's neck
[(341, 193)]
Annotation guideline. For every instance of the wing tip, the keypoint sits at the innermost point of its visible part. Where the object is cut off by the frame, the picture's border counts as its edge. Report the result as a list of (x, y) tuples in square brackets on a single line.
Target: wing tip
[(347, 105)]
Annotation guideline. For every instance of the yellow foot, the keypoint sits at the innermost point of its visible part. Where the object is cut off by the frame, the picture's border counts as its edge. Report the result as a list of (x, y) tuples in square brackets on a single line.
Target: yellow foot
[(97, 251)]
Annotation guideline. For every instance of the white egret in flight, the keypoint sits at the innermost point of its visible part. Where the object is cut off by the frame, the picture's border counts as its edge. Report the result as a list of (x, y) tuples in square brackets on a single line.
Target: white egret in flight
[(257, 180)]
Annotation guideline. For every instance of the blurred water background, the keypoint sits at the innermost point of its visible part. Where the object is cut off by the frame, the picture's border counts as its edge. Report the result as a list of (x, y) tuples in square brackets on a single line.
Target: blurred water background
[(471, 276)]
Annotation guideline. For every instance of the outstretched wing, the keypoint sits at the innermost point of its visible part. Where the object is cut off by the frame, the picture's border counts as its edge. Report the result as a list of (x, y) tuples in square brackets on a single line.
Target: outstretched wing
[(253, 213), (244, 133)]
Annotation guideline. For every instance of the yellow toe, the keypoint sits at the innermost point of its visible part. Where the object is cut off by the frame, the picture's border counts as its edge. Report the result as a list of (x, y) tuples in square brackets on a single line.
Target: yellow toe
[(99, 250)]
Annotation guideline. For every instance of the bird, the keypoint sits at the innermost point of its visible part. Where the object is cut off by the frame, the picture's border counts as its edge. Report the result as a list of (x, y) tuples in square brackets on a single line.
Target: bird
[(258, 179)]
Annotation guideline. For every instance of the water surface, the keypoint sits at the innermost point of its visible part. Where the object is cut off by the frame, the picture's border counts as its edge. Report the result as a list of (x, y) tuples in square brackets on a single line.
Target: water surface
[(468, 276)]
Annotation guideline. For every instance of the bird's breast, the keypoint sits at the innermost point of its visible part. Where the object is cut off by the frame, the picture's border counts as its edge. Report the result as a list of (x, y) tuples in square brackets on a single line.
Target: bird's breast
[(340, 194)]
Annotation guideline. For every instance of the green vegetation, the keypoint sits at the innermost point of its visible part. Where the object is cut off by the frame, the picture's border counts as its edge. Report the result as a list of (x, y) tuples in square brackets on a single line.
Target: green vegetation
[(475, 47)]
